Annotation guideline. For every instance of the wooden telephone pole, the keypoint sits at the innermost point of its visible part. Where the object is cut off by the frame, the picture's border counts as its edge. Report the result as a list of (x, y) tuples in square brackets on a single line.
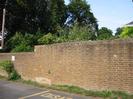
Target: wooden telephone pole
[(3, 29), (3, 26)]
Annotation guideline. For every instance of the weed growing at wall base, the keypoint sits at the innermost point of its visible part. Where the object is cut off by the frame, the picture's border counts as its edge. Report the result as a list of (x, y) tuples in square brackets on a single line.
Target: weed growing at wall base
[(77, 90), (9, 68), (104, 94)]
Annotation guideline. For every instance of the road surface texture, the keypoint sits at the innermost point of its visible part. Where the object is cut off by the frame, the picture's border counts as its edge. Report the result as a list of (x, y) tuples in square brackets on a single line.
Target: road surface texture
[(12, 90)]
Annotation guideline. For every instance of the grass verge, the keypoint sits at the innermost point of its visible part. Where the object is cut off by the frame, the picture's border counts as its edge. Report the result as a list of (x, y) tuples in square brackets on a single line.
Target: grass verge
[(77, 90)]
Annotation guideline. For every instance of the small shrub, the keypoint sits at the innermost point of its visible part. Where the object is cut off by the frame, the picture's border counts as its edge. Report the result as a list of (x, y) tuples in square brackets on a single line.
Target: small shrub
[(14, 75), (9, 68)]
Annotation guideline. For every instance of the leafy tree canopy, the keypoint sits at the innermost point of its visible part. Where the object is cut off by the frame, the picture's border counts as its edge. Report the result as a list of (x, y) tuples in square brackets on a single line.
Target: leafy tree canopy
[(31, 15), (82, 13)]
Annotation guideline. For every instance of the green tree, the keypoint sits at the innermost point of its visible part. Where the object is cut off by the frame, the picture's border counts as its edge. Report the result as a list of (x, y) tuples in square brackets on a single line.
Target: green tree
[(31, 15), (104, 34), (27, 16), (43, 17), (82, 14), (118, 31), (57, 14)]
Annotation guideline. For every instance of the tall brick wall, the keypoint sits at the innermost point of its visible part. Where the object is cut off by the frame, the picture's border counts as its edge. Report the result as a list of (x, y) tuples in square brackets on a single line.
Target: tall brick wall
[(93, 65)]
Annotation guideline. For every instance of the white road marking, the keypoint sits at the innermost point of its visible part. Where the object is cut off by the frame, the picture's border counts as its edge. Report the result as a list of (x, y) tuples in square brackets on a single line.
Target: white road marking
[(53, 96), (36, 94)]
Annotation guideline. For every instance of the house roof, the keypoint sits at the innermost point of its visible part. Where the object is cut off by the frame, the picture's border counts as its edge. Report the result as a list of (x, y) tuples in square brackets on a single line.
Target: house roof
[(131, 23)]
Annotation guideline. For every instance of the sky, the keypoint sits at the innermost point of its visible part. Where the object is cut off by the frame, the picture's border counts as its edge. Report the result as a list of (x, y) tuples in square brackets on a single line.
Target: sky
[(111, 13)]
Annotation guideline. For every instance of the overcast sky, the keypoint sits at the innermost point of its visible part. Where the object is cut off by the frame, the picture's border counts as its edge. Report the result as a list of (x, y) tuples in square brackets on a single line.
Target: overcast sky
[(111, 13)]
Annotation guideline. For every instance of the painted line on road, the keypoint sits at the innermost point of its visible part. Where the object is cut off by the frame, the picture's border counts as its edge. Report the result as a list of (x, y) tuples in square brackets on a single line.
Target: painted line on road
[(36, 94), (54, 96)]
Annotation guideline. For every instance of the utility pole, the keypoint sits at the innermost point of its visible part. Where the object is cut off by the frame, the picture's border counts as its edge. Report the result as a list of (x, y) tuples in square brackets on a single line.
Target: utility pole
[(3, 28)]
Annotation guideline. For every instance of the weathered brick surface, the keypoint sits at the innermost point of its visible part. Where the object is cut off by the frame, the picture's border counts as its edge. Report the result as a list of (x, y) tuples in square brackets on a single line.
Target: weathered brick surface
[(97, 65)]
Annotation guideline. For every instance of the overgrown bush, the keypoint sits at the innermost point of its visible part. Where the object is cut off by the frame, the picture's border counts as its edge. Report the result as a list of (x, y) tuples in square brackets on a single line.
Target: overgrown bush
[(79, 33), (104, 34), (76, 33), (62, 35), (61, 38), (21, 42), (22, 48), (9, 68), (47, 39)]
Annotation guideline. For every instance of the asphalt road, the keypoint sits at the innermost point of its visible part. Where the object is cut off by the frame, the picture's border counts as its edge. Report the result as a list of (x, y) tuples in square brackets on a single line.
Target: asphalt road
[(11, 90)]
